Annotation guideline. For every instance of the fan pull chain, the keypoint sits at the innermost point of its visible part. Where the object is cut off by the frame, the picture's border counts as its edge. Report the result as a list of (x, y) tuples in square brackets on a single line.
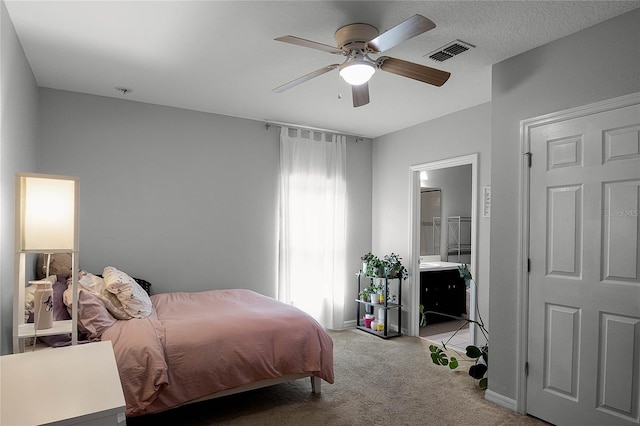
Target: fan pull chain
[(339, 94)]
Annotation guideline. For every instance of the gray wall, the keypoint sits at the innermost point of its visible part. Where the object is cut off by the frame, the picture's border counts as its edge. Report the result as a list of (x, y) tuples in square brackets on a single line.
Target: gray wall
[(18, 138), (439, 139), (598, 63), (186, 200), (183, 199)]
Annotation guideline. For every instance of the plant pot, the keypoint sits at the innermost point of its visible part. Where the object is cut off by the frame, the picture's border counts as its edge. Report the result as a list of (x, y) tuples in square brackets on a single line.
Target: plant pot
[(367, 322), (387, 272), (374, 298)]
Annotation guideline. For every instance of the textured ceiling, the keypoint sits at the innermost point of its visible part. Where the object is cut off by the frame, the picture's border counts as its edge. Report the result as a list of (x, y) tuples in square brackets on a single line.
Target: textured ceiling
[(220, 56)]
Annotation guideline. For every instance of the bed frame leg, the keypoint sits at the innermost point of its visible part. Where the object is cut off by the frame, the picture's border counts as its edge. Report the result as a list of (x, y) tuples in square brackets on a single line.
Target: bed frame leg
[(316, 384)]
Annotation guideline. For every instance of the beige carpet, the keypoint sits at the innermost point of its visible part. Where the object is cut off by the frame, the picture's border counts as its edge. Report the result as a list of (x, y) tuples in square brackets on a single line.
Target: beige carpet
[(378, 382)]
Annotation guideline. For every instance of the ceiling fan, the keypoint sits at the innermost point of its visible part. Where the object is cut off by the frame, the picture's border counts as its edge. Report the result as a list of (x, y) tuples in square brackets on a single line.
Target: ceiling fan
[(357, 42)]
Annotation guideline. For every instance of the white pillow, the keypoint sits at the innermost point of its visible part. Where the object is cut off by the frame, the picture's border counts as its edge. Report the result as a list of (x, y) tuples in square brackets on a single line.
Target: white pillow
[(93, 317), (134, 299), (96, 286)]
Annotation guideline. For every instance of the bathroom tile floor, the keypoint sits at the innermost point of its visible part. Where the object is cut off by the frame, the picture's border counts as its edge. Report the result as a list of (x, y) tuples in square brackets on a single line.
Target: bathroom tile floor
[(442, 332)]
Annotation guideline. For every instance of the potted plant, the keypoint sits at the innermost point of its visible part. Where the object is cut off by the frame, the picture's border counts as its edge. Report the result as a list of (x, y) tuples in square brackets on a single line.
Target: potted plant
[(390, 297), (375, 267), (478, 354), (365, 294), (390, 266), (365, 261), (393, 267), (377, 290)]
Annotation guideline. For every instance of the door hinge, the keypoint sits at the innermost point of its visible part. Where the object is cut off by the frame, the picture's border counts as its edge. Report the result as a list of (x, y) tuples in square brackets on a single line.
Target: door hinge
[(529, 156), (528, 265), (526, 369)]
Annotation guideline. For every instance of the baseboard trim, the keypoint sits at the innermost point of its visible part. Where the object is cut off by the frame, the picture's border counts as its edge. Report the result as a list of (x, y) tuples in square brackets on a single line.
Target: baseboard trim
[(501, 400), (349, 324), (352, 324)]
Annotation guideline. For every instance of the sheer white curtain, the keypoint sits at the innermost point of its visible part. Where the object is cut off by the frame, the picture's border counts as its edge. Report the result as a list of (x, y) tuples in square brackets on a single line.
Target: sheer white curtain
[(312, 272)]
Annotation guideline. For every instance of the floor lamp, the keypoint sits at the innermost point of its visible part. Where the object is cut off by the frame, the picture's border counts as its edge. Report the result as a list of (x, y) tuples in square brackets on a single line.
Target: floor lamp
[(46, 222)]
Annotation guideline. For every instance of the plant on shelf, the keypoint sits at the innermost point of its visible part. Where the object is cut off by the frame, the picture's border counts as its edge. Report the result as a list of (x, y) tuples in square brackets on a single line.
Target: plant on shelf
[(365, 294), (374, 266), (376, 291), (479, 355), (390, 266), (371, 294), (365, 261), (393, 267), (380, 290)]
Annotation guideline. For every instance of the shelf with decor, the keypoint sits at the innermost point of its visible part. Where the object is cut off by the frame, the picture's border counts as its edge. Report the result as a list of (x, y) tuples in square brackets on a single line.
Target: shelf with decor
[(380, 273), (381, 310), (377, 297), (46, 222)]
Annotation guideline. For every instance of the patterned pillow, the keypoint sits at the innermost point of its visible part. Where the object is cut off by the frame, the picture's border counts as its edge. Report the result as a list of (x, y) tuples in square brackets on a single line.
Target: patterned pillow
[(96, 285), (134, 299)]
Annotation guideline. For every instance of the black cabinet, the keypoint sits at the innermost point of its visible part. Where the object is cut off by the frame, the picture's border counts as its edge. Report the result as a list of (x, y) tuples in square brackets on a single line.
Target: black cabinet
[(443, 292)]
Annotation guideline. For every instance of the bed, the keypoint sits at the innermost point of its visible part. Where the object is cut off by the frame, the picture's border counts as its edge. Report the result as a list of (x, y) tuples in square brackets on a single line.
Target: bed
[(178, 348), (196, 346)]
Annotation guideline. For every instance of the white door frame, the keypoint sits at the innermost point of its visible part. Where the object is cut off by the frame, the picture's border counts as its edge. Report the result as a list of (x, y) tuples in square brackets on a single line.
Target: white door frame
[(526, 127), (414, 235)]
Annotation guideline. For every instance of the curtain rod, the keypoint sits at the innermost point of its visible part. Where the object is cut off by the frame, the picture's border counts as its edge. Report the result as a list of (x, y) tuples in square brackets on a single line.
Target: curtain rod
[(315, 129)]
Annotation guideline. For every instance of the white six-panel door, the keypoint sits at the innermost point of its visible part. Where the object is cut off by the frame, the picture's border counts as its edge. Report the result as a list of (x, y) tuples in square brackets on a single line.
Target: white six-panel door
[(584, 281)]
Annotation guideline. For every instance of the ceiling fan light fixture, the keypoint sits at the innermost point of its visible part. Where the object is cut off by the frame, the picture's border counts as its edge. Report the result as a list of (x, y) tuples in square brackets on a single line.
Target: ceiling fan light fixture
[(357, 71)]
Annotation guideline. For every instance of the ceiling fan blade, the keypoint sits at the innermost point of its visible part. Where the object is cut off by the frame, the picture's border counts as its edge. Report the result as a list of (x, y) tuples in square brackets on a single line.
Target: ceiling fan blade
[(306, 77), (311, 44), (415, 71), (405, 30), (360, 94)]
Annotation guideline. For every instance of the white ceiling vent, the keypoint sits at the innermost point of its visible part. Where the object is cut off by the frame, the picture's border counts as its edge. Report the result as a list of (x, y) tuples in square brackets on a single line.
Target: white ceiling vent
[(449, 50)]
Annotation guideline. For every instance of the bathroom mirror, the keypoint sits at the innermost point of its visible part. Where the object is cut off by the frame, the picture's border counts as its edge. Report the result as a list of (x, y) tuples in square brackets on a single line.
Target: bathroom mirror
[(430, 221)]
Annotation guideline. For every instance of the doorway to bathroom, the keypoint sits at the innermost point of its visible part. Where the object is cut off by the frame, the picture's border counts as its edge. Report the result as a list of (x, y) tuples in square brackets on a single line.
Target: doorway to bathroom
[(443, 239)]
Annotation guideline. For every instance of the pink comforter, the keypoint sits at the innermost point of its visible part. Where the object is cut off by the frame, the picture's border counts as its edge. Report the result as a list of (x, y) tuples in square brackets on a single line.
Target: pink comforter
[(197, 344)]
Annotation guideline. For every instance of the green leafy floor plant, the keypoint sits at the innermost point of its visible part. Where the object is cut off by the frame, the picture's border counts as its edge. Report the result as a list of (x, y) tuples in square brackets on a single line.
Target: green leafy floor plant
[(478, 355)]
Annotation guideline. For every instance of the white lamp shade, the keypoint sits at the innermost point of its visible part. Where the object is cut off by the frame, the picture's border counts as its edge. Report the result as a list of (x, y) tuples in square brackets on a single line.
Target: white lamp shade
[(47, 213), (357, 72)]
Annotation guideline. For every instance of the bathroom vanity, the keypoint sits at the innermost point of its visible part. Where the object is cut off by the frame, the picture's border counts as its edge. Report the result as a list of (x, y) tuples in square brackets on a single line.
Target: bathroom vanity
[(442, 290)]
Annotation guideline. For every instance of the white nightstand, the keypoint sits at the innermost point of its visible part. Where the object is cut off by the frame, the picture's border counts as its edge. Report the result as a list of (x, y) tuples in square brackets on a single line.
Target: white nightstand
[(63, 386)]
